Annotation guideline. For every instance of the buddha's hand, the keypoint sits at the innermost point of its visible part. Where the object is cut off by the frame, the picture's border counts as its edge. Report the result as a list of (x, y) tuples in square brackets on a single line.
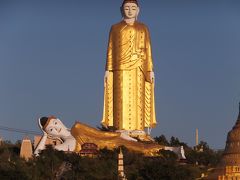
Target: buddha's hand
[(44, 133), (150, 76), (106, 77)]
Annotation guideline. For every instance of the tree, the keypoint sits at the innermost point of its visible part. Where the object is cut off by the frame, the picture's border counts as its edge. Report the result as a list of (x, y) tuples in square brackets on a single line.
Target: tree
[(169, 156), (162, 140), (104, 166), (204, 155), (174, 141)]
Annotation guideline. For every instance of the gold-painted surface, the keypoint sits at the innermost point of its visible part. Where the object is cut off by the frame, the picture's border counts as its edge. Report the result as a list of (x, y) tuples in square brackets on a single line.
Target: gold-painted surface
[(231, 173), (129, 92), (84, 133)]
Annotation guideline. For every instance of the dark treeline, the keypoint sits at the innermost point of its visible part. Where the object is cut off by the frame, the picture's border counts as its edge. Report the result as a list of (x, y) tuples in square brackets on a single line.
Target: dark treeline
[(52, 164)]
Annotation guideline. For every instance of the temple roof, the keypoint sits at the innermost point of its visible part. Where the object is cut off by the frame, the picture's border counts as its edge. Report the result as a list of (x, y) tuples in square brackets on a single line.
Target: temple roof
[(237, 125), (231, 155), (232, 149)]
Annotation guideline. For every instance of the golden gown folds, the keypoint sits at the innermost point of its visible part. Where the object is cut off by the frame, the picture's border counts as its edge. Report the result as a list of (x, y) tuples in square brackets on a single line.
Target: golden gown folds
[(86, 134), (129, 92)]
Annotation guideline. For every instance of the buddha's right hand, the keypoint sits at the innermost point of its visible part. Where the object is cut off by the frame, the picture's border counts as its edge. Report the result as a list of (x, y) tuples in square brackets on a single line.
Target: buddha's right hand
[(106, 77)]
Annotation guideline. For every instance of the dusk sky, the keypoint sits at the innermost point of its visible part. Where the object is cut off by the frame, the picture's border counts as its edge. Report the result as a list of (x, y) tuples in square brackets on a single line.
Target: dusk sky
[(53, 54)]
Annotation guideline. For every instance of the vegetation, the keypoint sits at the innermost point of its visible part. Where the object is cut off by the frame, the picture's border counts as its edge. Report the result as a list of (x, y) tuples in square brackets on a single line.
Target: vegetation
[(53, 164), (201, 155)]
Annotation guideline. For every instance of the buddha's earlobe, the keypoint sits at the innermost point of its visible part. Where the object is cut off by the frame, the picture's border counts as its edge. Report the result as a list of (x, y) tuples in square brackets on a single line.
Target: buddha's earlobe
[(138, 10)]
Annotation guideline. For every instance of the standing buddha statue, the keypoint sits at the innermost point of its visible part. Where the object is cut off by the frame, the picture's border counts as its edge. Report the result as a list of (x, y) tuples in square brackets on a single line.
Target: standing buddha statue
[(129, 77)]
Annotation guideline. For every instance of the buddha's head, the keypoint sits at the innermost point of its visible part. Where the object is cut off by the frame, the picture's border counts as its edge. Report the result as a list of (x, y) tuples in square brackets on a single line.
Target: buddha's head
[(53, 127), (130, 9)]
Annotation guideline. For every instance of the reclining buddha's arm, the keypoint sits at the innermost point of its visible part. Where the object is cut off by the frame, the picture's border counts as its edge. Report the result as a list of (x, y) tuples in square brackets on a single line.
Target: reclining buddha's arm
[(41, 145)]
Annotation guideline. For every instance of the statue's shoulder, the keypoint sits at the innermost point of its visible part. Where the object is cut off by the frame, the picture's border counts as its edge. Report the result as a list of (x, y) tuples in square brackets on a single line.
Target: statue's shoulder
[(118, 25), (142, 25)]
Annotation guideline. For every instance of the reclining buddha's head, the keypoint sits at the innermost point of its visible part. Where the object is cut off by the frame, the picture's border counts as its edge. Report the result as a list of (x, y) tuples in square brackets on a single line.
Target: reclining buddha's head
[(53, 126)]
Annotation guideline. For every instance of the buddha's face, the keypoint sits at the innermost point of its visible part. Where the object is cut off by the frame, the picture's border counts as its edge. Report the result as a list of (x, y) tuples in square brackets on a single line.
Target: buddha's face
[(56, 128), (130, 10)]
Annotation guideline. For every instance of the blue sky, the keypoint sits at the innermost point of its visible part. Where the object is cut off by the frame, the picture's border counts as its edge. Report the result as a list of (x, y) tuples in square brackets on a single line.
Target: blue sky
[(52, 58)]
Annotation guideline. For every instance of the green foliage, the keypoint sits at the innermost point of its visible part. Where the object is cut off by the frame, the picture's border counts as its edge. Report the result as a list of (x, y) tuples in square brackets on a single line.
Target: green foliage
[(169, 156), (174, 141), (204, 155), (156, 168), (11, 166), (207, 157), (162, 140), (47, 164), (104, 167)]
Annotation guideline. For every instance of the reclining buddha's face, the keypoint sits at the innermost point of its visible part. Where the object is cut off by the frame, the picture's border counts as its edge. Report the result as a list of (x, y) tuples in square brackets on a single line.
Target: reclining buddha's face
[(56, 128)]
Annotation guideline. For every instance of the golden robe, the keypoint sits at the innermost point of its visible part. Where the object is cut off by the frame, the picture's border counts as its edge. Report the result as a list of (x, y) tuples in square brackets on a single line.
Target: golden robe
[(86, 134), (129, 92)]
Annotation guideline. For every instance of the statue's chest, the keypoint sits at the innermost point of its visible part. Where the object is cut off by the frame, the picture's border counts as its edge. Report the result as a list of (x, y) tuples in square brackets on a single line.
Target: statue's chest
[(130, 36)]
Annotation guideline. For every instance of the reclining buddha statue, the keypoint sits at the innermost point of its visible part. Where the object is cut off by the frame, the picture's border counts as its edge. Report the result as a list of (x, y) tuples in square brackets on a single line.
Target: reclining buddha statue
[(80, 133)]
